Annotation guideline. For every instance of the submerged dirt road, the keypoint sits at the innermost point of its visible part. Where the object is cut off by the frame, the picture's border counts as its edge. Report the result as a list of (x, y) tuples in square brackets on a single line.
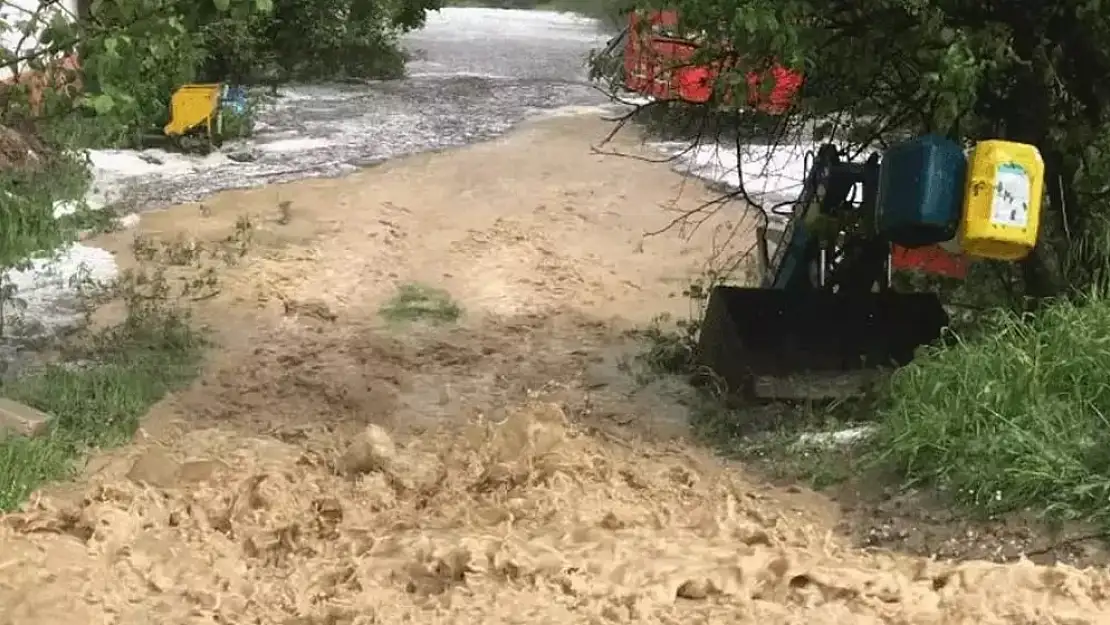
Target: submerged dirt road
[(331, 468)]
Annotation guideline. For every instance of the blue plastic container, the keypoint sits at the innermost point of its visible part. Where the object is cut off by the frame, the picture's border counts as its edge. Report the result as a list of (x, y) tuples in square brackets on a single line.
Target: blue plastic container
[(234, 98), (921, 189)]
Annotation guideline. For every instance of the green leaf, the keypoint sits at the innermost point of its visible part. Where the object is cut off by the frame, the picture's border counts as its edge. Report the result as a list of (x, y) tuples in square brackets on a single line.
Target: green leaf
[(264, 6), (222, 5), (101, 103)]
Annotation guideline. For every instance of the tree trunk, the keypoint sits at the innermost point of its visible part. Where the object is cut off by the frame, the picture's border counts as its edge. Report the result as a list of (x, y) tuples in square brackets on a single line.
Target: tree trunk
[(1030, 106)]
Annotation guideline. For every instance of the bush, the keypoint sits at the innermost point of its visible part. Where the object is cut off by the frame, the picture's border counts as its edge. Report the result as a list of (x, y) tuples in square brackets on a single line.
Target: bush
[(1015, 418), (28, 192), (310, 40)]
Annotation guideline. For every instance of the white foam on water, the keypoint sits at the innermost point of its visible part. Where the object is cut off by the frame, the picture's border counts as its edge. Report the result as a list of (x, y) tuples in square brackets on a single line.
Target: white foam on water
[(294, 94), (291, 95), (452, 73), (47, 291), (296, 145), (113, 170), (771, 174), (572, 111), (478, 24), (836, 438)]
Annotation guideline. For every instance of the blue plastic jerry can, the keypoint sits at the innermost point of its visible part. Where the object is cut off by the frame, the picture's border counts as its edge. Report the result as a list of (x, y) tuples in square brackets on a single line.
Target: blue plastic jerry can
[(921, 189)]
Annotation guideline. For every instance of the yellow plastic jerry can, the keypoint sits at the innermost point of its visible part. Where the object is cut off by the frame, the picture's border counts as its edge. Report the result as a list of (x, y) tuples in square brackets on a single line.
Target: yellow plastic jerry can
[(1002, 205)]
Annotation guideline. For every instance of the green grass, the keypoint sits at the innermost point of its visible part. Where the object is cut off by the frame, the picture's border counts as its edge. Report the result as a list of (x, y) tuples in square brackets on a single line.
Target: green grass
[(1013, 417), (129, 368), (1017, 417), (418, 302)]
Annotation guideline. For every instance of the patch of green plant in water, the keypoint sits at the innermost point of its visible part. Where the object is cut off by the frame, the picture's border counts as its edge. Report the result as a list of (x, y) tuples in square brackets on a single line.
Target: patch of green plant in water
[(419, 302)]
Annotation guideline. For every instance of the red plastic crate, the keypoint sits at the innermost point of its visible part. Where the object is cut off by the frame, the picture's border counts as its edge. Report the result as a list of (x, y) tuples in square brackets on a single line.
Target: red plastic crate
[(658, 65), (930, 259)]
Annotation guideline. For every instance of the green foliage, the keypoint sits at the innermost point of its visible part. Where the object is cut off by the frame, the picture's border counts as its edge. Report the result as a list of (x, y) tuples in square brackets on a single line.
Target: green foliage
[(27, 200), (31, 215), (1014, 418), (871, 57), (134, 65), (312, 39)]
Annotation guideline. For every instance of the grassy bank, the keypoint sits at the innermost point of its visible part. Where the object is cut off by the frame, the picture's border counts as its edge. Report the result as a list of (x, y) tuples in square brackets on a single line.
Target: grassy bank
[(106, 376), (1016, 418), (108, 380), (1013, 418)]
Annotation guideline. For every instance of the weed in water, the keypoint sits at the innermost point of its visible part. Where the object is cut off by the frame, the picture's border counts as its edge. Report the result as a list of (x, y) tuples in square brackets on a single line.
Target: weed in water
[(669, 346), (418, 302), (86, 221), (285, 212), (182, 252)]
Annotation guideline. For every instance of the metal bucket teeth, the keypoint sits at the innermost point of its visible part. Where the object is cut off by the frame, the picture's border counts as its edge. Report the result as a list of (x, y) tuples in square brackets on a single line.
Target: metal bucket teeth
[(749, 335)]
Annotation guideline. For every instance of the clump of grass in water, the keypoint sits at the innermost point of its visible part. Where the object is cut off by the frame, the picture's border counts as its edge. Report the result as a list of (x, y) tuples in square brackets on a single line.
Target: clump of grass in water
[(418, 302)]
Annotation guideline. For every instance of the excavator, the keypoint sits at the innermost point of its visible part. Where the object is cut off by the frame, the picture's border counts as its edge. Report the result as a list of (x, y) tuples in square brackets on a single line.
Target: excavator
[(825, 317)]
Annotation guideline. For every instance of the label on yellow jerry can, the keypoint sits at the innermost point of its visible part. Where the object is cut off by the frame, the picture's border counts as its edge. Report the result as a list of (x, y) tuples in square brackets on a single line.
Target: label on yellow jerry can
[(1010, 204)]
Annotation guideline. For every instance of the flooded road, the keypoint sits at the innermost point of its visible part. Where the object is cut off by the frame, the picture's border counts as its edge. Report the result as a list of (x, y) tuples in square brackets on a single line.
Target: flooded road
[(474, 74)]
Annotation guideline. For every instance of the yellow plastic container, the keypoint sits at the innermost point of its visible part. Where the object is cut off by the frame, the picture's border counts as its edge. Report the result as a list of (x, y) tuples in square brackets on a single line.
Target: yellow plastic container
[(191, 106), (1002, 205)]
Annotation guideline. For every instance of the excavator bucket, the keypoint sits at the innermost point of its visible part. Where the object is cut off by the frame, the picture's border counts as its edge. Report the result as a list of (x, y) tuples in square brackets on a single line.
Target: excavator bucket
[(811, 344)]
